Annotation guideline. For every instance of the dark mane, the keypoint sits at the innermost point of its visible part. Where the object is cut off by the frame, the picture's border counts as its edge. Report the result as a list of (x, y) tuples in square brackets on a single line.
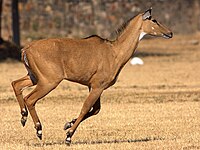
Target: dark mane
[(92, 36), (97, 37), (123, 27)]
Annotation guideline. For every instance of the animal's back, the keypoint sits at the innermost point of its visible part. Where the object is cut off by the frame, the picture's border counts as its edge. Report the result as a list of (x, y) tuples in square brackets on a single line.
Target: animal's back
[(73, 59)]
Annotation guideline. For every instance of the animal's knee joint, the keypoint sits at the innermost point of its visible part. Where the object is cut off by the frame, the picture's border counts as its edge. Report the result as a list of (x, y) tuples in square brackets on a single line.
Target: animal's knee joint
[(29, 103), (16, 88)]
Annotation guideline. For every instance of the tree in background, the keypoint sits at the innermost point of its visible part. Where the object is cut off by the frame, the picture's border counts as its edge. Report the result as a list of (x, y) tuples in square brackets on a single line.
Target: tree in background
[(10, 49), (1, 2), (15, 22)]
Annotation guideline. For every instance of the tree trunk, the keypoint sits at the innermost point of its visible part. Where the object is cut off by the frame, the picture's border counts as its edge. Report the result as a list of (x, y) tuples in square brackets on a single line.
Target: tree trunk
[(1, 2), (15, 22), (197, 14)]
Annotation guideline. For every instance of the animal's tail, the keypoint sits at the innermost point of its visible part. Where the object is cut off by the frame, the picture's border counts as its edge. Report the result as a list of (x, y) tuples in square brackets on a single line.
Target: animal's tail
[(24, 59)]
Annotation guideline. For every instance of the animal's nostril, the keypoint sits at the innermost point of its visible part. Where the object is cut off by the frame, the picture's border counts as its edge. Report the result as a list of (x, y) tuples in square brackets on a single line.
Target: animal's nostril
[(171, 34)]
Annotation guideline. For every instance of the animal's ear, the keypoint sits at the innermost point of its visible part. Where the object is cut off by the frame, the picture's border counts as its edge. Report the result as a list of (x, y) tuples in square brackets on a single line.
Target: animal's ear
[(147, 14)]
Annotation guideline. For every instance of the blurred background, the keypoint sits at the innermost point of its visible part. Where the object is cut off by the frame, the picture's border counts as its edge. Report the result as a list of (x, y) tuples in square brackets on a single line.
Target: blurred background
[(151, 106), (25, 20)]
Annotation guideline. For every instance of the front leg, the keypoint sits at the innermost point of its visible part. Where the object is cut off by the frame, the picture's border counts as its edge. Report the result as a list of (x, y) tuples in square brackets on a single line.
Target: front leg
[(89, 102), (95, 110)]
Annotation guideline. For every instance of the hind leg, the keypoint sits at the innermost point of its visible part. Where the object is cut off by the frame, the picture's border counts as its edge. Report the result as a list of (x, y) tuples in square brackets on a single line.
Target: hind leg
[(42, 89), (18, 87)]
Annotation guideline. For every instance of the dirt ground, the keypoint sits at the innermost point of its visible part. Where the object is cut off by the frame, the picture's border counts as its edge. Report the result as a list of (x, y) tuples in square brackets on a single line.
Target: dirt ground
[(153, 106)]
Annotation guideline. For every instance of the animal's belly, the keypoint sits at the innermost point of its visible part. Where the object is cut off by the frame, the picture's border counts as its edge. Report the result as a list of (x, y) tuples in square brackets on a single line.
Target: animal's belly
[(79, 75)]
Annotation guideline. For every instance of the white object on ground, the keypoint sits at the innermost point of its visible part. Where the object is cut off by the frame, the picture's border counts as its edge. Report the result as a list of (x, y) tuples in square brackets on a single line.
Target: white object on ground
[(136, 61)]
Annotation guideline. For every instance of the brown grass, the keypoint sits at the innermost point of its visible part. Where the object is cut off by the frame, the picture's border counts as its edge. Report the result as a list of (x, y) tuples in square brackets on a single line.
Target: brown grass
[(154, 106)]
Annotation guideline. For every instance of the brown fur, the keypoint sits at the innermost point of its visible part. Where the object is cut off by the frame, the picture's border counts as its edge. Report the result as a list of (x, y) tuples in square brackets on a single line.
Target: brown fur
[(93, 61)]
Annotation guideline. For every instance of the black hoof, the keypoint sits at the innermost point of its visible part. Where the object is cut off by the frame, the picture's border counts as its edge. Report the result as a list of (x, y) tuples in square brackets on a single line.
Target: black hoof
[(39, 134), (68, 141), (69, 124), (68, 138), (23, 121)]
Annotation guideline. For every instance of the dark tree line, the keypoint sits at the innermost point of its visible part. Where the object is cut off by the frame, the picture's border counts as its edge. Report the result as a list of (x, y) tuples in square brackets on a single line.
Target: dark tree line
[(10, 49), (1, 3), (15, 21)]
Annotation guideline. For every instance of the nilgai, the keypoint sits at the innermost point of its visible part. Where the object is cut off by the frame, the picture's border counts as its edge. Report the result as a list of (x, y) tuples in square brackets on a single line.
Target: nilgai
[(92, 61)]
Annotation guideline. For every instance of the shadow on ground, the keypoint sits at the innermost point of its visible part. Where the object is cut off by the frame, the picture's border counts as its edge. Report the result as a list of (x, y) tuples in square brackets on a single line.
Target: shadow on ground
[(154, 54), (147, 139)]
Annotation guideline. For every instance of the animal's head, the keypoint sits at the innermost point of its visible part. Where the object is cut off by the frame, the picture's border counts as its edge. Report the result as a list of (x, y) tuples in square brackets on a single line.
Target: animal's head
[(152, 27)]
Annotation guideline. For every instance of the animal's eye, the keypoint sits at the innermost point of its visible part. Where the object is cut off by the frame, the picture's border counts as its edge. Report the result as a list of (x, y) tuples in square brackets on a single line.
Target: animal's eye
[(154, 21)]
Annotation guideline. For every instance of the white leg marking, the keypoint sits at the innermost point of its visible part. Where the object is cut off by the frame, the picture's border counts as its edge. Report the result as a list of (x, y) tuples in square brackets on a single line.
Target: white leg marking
[(37, 124), (40, 132)]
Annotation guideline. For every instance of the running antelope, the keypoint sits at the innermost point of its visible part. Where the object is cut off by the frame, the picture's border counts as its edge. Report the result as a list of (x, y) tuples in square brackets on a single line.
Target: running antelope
[(94, 62)]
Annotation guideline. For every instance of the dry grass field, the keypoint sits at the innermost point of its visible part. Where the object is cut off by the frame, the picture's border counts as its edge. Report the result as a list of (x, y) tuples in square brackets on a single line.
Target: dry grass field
[(153, 106)]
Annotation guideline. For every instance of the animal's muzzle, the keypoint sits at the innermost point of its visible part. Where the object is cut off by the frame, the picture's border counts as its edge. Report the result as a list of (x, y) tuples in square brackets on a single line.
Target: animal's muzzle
[(168, 35)]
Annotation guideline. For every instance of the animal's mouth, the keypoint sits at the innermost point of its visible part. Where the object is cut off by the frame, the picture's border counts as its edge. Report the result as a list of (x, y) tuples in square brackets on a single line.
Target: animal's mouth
[(167, 36)]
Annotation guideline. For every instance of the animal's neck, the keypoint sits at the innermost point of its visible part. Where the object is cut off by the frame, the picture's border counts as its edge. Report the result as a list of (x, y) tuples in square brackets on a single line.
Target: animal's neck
[(127, 41)]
